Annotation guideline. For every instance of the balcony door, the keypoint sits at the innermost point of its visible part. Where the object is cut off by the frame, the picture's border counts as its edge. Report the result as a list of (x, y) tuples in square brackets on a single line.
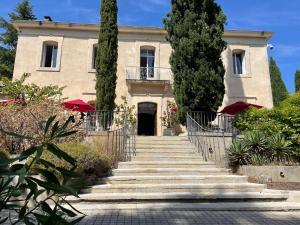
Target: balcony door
[(147, 62)]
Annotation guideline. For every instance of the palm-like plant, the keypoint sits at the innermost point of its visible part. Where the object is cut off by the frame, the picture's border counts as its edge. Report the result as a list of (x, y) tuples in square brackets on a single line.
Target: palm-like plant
[(280, 148), (238, 154), (257, 142)]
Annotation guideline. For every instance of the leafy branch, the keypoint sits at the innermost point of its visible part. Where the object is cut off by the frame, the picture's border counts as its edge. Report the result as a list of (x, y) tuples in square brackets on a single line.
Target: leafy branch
[(39, 198)]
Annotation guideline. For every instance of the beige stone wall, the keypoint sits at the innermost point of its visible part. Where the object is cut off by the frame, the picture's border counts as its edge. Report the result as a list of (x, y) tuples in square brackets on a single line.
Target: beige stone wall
[(272, 173), (74, 67)]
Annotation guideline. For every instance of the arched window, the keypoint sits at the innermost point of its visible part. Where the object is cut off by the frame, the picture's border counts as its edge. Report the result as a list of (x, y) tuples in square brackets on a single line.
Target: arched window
[(49, 56), (147, 62), (239, 62), (94, 55)]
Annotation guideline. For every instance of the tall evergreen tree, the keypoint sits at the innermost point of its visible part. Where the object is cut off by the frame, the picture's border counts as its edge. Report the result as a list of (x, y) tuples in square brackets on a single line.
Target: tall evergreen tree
[(195, 30), (279, 89), (9, 38), (297, 81), (107, 56)]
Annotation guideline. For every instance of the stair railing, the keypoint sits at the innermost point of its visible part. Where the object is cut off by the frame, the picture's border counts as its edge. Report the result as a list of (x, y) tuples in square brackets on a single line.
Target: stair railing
[(212, 133), (116, 133)]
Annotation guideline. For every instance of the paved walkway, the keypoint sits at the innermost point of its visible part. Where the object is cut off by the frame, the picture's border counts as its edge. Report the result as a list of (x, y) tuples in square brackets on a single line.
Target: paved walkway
[(146, 217)]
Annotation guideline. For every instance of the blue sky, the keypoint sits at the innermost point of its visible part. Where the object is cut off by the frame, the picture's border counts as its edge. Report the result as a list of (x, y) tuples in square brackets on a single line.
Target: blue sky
[(278, 16)]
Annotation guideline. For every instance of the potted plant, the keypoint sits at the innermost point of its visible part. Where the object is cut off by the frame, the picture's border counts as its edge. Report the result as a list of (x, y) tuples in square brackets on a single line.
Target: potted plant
[(169, 119)]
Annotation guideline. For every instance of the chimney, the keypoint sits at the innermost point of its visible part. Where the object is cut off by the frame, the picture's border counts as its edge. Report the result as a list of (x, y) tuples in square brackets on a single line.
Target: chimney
[(48, 18)]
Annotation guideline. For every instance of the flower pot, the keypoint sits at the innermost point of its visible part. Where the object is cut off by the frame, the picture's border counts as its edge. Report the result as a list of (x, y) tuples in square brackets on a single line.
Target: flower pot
[(168, 132)]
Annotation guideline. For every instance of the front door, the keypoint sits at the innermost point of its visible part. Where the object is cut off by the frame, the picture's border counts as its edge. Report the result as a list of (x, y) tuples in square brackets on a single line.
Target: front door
[(147, 119)]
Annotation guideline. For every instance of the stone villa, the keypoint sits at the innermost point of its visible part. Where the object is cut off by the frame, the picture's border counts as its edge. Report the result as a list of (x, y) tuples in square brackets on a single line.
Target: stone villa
[(64, 54)]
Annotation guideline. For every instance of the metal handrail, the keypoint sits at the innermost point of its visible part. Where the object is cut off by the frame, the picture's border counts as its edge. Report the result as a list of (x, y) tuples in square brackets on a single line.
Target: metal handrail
[(210, 141), (119, 135)]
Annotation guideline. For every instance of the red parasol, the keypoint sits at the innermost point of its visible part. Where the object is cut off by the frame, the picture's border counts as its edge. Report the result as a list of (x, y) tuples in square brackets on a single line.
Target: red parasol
[(11, 101), (239, 107), (79, 105)]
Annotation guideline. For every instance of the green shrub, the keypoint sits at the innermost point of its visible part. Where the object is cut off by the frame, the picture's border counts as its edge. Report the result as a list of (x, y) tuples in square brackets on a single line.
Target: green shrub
[(26, 120), (259, 160), (258, 149), (283, 120), (256, 141), (91, 163), (238, 154), (280, 148)]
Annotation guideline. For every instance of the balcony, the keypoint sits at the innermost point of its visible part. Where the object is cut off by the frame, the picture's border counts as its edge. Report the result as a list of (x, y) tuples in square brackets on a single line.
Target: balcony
[(144, 77), (148, 74)]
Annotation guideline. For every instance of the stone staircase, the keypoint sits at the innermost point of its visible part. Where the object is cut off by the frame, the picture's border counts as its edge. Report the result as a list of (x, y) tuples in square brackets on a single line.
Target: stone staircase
[(167, 172)]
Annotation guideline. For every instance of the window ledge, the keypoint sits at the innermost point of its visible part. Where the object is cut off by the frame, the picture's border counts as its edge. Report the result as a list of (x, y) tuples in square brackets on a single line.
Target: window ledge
[(47, 69), (92, 71)]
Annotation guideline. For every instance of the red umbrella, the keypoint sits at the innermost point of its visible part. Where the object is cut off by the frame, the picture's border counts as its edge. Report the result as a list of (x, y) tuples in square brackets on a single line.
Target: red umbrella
[(79, 105), (11, 101), (239, 107)]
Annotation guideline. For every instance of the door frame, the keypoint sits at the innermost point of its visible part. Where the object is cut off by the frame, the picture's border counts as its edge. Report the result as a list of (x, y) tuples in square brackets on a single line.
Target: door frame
[(154, 114)]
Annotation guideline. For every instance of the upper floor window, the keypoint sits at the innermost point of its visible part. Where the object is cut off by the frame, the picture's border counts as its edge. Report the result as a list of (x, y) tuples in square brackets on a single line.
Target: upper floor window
[(95, 52), (239, 66), (49, 56), (147, 62)]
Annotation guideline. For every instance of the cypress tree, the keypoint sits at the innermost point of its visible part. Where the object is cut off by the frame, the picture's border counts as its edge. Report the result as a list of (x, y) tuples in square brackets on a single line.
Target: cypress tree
[(107, 56), (297, 81), (9, 38), (279, 89), (195, 30)]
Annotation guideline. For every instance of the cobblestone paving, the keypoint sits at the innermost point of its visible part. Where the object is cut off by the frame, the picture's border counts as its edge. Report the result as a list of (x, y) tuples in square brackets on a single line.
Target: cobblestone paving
[(145, 217)]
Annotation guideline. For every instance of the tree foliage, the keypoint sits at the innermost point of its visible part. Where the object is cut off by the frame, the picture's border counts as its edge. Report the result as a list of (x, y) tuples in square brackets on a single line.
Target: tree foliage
[(195, 30), (23, 120), (107, 56), (19, 89), (39, 199), (297, 81), (9, 39), (279, 89), (283, 119)]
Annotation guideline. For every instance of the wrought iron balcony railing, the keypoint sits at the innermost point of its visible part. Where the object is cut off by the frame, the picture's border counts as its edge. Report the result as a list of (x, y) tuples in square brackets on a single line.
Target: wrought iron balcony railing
[(148, 73)]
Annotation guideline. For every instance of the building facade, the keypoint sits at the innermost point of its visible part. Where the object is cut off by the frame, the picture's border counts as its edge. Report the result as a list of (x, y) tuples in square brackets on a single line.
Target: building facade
[(64, 54)]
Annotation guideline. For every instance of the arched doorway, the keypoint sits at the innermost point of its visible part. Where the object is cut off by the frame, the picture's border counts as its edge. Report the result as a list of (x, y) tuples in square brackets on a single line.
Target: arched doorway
[(147, 113)]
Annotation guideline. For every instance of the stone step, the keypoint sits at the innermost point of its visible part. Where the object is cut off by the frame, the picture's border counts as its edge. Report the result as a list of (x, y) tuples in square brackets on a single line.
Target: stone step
[(166, 151), (179, 206), (170, 171), (171, 143), (163, 138), (164, 164), (179, 197), (150, 146), (165, 154), (190, 158), (178, 179), (167, 188)]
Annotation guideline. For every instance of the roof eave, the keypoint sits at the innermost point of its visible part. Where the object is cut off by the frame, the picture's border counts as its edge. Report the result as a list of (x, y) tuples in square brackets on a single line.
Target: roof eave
[(21, 24)]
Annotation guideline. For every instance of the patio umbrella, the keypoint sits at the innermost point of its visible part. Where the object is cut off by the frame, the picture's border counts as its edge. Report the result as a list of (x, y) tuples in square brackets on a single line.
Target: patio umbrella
[(12, 101), (239, 107), (79, 105)]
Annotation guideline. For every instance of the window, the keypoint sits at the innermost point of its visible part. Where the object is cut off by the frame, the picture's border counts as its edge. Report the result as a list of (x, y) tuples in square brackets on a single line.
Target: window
[(95, 51), (239, 62), (147, 61), (49, 55)]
